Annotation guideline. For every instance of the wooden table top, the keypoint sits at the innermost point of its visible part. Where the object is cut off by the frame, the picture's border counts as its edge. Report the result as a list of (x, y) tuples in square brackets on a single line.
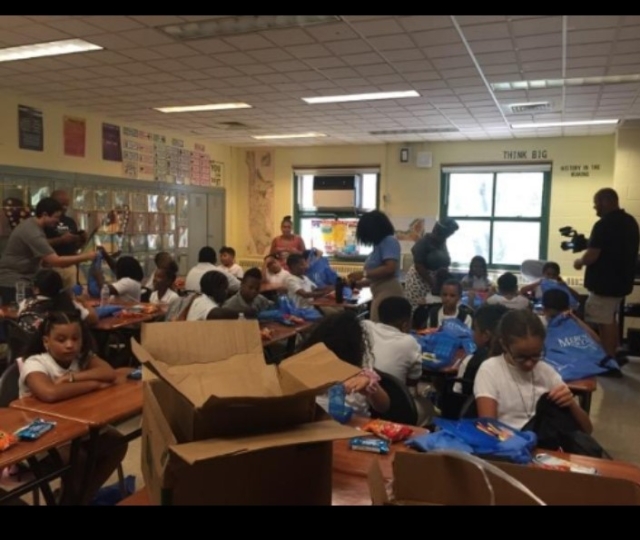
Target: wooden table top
[(119, 402), (359, 300), (584, 385), (13, 419), (281, 332)]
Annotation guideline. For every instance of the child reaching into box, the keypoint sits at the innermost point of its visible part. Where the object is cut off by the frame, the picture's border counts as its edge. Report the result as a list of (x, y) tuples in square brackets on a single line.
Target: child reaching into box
[(61, 365)]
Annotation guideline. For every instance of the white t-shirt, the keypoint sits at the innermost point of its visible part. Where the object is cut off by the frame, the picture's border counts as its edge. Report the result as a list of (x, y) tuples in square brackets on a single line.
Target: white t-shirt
[(192, 282), (200, 308), (294, 284), (394, 352), (169, 296), (441, 317), (235, 270), (517, 302), (42, 363), (84, 312), (128, 289), (516, 391), (279, 279)]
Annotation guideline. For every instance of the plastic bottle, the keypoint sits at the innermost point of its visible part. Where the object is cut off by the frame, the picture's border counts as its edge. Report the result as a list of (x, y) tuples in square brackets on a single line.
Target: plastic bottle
[(338, 408), (104, 295), (241, 316)]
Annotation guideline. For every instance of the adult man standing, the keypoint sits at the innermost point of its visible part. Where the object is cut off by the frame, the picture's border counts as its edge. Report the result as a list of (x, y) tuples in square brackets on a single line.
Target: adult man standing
[(611, 262), (27, 248), (65, 239)]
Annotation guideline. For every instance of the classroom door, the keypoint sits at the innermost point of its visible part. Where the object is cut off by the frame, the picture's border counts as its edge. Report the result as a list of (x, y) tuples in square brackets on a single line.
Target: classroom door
[(215, 220), (206, 223)]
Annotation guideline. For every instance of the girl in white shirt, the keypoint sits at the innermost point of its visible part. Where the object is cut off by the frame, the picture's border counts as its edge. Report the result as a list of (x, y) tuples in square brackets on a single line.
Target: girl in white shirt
[(477, 279), (214, 286), (129, 276), (509, 385), (61, 365), (163, 279)]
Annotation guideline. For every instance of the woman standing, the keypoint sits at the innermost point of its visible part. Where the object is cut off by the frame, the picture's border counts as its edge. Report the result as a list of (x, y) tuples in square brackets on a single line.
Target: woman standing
[(382, 267), (430, 256), (287, 243)]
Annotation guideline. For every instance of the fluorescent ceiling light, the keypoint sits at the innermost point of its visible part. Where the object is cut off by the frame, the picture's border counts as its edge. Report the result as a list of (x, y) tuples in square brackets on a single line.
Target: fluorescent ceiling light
[(564, 124), (53, 48), (361, 97), (209, 107), (224, 26), (556, 83), (290, 136)]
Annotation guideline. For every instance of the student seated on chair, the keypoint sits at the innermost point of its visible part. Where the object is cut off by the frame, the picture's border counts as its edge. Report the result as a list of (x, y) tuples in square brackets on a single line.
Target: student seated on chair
[(509, 384), (273, 273), (163, 279), (301, 290), (556, 302), (451, 308), (228, 262), (507, 294), (343, 334), (129, 275), (550, 272), (213, 285), (161, 260), (49, 296), (248, 299), (207, 259), (61, 365)]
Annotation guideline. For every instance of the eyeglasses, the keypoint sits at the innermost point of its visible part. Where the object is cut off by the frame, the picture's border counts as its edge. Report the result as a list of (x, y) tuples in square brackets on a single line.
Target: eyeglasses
[(523, 359)]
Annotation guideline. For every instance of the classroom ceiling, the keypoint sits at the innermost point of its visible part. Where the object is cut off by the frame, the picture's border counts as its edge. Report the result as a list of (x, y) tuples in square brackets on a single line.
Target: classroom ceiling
[(450, 60)]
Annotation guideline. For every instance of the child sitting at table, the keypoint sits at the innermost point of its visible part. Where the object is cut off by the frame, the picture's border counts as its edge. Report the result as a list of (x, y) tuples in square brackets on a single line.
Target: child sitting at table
[(48, 296), (556, 302), (248, 299), (343, 334), (129, 275), (162, 259), (509, 384), (228, 262), (550, 275), (450, 295), (507, 294), (214, 286), (163, 279), (301, 290), (477, 279), (273, 273), (61, 365)]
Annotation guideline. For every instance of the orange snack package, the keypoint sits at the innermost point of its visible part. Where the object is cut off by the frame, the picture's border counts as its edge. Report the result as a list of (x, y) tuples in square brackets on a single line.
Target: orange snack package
[(7, 440), (388, 430)]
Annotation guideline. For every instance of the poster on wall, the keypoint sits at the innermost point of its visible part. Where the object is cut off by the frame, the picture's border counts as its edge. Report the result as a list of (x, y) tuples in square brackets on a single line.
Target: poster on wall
[(260, 174), (111, 144), (217, 172), (410, 229), (30, 128), (74, 135)]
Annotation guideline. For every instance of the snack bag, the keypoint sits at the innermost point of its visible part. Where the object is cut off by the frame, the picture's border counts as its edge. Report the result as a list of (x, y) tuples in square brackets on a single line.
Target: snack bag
[(7, 440), (367, 444), (35, 429), (388, 431)]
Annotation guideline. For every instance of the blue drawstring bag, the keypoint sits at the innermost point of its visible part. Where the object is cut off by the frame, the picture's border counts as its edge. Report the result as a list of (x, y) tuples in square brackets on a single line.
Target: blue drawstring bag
[(92, 285), (439, 349), (465, 435), (107, 311), (573, 352), (477, 301), (549, 284), (320, 272), (285, 306), (112, 494)]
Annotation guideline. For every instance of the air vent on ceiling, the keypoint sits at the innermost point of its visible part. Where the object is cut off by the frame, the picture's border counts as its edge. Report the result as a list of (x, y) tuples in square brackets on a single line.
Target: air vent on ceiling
[(232, 125), (414, 131), (529, 108)]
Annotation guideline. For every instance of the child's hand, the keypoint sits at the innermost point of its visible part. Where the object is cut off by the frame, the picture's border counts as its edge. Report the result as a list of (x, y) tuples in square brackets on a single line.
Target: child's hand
[(62, 379), (357, 384), (561, 395)]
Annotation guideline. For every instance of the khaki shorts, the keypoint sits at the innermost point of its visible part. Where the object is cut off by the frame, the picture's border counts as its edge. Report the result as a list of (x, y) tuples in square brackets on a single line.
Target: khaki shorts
[(69, 276), (601, 309)]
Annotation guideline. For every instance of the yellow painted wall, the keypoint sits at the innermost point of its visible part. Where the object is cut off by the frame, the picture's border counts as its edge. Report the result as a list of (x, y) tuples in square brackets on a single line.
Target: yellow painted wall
[(413, 191)]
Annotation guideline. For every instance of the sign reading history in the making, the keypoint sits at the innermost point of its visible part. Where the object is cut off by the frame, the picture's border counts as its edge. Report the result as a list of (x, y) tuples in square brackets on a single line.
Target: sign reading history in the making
[(583, 170), (30, 128)]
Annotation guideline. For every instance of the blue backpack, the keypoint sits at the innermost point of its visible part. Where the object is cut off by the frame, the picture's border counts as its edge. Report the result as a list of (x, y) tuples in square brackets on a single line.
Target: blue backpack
[(286, 306), (549, 284), (321, 273), (573, 352), (439, 349)]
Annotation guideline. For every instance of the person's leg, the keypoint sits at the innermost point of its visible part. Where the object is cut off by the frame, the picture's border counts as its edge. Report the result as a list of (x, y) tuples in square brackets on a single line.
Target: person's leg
[(69, 276), (609, 338), (602, 311)]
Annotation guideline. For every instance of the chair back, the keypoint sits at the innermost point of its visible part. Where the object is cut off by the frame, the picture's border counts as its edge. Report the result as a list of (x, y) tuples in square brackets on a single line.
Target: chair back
[(17, 339), (403, 408), (9, 384)]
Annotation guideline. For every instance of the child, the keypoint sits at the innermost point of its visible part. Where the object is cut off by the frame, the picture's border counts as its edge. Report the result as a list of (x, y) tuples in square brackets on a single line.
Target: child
[(556, 302), (163, 279), (161, 260), (343, 334), (550, 272), (301, 289), (248, 299), (49, 296), (273, 273), (214, 286), (129, 275), (507, 294), (450, 294), (509, 385), (476, 279), (61, 365), (227, 258)]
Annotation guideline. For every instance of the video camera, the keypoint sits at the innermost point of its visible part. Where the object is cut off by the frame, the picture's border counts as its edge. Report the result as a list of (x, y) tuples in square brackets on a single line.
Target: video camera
[(577, 243)]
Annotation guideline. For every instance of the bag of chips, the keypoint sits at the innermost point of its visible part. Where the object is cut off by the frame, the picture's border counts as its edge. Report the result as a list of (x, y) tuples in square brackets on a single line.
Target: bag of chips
[(388, 431), (7, 440)]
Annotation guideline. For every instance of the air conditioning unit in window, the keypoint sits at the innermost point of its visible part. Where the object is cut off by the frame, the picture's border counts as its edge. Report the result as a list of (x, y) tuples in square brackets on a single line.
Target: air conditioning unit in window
[(336, 192)]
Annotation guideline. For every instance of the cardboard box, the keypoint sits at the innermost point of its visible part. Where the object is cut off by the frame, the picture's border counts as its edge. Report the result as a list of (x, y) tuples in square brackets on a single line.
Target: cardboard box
[(433, 479), (220, 426)]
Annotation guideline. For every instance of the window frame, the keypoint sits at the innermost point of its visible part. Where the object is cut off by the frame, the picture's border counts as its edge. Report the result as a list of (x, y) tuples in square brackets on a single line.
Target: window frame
[(299, 214), (542, 167)]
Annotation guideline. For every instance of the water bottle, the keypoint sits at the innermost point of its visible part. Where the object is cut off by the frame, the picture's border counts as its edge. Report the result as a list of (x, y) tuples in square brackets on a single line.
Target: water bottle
[(339, 290), (104, 295), (241, 316), (338, 409), (21, 291)]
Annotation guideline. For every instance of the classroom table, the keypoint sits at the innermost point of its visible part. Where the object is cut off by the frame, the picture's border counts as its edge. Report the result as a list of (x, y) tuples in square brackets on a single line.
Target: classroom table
[(583, 389), (281, 332), (359, 302), (66, 431), (117, 403)]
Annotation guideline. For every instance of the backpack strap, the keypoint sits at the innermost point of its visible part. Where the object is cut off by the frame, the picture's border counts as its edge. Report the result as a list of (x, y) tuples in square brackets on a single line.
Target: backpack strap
[(464, 311), (182, 316), (433, 315)]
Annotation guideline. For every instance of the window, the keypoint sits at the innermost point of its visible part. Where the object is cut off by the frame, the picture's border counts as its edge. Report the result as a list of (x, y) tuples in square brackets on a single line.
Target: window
[(503, 213), (331, 225)]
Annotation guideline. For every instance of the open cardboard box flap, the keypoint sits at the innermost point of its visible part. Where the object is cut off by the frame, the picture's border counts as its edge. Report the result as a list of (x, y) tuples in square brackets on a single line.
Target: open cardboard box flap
[(312, 432), (208, 361)]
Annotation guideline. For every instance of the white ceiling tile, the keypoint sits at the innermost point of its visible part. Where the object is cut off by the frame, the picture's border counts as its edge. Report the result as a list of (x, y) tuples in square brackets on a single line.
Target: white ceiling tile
[(538, 41), (627, 46), (255, 69), (456, 80), (210, 46), (403, 54), (631, 20), (627, 69), (15, 21), (288, 37), (166, 64), (305, 76), (138, 68), (175, 50), (593, 49), (248, 42), (488, 59), (348, 46), (586, 72), (326, 62), (548, 53), (272, 54), (222, 72), (112, 41), (418, 76), (586, 22), (331, 32), (76, 27), (13, 39), (486, 31), (442, 51), (433, 38), (235, 58), (200, 62), (413, 66), (288, 66), (376, 70), (392, 42), (339, 72), (157, 20), (491, 45), (378, 27), (501, 72), (273, 78), (592, 36), (161, 78), (417, 23), (40, 32), (147, 37), (549, 65), (537, 26), (453, 62), (622, 59), (107, 71), (362, 59)]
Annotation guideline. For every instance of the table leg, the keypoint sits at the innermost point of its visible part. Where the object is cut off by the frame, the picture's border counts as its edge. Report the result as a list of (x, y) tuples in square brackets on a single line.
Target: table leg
[(89, 466)]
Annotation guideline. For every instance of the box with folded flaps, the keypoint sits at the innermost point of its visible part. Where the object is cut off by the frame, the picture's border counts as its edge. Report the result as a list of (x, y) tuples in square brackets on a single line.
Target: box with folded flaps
[(220, 426), (437, 479)]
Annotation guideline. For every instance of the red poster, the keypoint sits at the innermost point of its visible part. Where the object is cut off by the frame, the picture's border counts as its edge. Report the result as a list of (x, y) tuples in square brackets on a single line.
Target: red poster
[(75, 130)]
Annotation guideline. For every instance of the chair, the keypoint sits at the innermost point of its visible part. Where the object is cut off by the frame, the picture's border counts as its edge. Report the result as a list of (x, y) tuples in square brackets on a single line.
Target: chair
[(17, 339), (403, 408), (9, 384)]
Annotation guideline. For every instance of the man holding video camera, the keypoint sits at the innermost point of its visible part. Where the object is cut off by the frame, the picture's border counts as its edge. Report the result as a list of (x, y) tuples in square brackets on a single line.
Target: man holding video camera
[(610, 261)]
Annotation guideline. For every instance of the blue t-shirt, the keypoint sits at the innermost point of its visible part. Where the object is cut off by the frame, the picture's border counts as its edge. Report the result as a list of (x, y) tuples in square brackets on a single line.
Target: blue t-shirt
[(389, 248)]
